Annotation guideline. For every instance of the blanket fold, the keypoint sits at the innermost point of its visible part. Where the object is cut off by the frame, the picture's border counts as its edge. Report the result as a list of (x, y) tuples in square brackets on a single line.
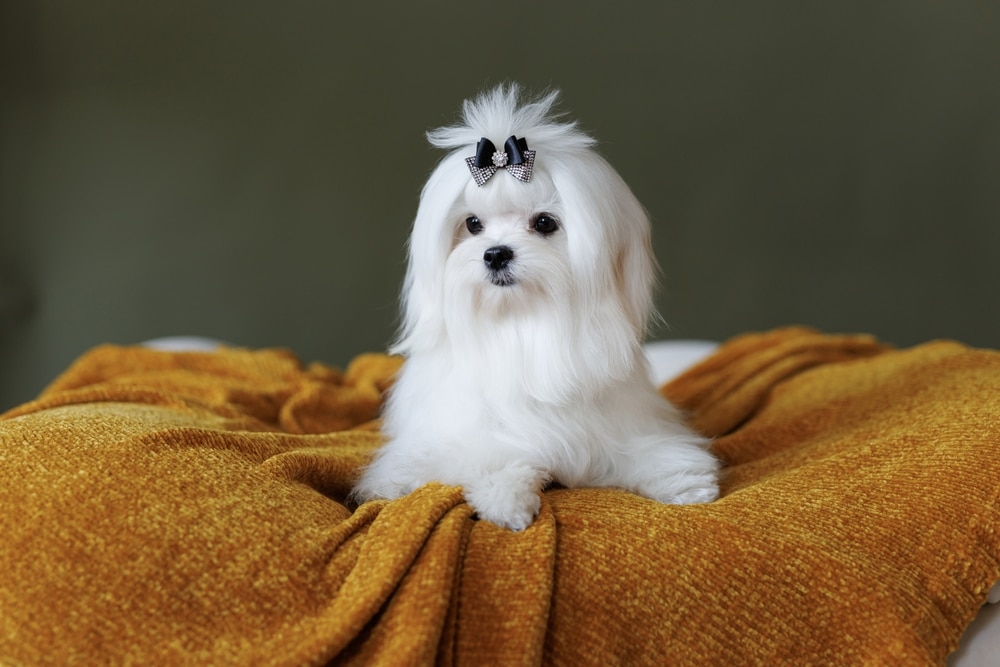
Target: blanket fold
[(189, 508)]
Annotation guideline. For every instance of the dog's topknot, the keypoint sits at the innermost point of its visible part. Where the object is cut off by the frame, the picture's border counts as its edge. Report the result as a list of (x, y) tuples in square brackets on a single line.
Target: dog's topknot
[(501, 112)]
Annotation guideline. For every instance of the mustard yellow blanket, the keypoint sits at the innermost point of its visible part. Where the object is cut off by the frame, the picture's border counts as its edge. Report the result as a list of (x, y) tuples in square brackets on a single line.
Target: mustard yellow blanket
[(184, 508)]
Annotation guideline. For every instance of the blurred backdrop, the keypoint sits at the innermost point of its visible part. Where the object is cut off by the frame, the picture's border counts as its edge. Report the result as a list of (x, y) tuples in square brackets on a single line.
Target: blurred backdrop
[(249, 170)]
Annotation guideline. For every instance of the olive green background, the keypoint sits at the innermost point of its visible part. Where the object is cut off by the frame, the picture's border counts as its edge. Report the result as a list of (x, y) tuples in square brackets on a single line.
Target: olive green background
[(249, 170)]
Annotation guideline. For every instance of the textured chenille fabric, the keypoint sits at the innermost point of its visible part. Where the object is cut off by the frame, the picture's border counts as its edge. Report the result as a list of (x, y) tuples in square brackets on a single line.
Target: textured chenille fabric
[(189, 508)]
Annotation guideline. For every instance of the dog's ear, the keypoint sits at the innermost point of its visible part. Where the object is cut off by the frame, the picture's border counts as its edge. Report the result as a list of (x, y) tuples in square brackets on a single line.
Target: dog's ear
[(609, 228), (614, 271), (430, 242), (636, 269)]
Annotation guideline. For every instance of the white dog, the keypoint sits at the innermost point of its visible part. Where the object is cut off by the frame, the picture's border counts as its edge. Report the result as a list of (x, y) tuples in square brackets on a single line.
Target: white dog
[(527, 296)]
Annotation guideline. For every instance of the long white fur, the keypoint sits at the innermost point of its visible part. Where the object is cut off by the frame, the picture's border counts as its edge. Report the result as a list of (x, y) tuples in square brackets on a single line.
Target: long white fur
[(508, 387)]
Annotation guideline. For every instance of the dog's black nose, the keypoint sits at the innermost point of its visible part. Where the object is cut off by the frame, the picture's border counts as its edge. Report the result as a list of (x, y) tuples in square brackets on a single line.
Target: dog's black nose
[(498, 257)]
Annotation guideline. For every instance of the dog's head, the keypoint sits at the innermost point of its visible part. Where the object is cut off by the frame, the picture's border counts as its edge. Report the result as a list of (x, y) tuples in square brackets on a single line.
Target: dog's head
[(557, 259)]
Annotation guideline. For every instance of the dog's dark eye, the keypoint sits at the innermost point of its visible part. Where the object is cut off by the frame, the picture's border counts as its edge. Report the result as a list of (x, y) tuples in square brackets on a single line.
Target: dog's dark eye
[(544, 224), (473, 224)]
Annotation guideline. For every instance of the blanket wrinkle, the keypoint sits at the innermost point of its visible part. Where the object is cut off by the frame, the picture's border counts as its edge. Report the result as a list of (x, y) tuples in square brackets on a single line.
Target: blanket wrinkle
[(724, 390), (190, 508), (394, 541), (269, 389)]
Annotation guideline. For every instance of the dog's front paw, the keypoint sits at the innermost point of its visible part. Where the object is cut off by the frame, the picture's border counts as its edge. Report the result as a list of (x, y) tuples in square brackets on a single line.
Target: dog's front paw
[(700, 489), (684, 489), (676, 474), (506, 498), (381, 480)]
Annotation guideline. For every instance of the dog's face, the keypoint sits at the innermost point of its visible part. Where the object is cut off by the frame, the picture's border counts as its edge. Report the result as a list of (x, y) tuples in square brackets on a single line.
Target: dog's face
[(546, 286), (510, 249)]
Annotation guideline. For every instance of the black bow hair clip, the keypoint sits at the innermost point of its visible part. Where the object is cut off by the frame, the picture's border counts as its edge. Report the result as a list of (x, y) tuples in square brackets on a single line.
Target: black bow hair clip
[(515, 158)]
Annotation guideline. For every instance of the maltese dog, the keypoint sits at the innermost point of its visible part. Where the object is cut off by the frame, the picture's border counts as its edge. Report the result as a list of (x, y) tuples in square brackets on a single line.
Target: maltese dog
[(526, 301)]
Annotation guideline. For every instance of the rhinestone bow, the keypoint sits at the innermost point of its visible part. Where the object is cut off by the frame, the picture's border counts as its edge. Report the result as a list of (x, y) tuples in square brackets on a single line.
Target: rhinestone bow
[(515, 158)]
